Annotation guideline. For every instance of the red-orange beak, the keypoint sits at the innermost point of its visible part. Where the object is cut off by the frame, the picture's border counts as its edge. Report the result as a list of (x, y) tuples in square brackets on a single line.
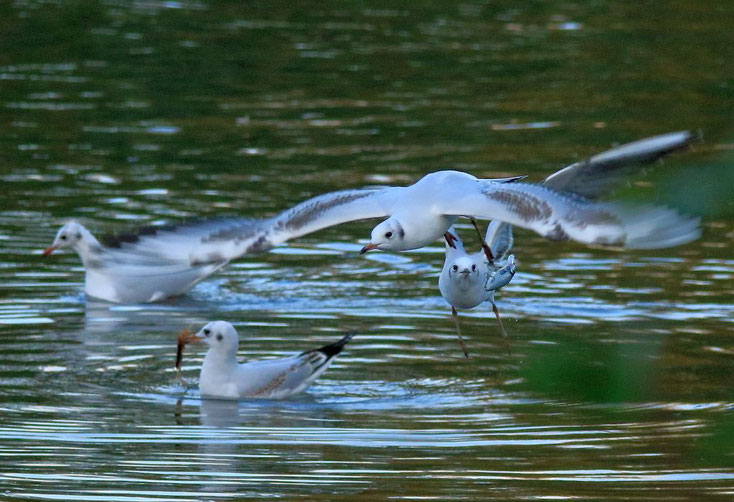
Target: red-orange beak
[(368, 247), (49, 250)]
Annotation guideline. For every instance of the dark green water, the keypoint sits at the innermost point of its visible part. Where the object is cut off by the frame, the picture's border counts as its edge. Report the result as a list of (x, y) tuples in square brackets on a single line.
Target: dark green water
[(118, 113)]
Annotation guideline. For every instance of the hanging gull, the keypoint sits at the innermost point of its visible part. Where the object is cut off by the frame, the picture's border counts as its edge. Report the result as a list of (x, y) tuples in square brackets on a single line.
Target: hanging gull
[(468, 280)]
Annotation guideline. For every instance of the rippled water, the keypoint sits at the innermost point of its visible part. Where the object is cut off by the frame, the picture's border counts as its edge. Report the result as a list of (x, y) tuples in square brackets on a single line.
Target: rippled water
[(118, 113)]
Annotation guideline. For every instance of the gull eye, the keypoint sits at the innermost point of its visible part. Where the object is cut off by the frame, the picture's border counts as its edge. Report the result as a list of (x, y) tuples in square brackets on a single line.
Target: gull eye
[(388, 235), (207, 332), (473, 267), (219, 338), (63, 237), (455, 268)]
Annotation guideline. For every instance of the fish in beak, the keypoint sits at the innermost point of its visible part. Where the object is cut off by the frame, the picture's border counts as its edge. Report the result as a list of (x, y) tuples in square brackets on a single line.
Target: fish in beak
[(185, 338)]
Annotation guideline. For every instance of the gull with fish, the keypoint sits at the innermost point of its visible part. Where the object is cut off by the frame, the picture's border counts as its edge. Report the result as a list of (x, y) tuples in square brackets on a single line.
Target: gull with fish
[(224, 378), (159, 262), (468, 280)]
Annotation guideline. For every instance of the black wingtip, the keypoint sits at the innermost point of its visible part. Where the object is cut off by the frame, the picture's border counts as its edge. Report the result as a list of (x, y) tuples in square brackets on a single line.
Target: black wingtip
[(335, 348)]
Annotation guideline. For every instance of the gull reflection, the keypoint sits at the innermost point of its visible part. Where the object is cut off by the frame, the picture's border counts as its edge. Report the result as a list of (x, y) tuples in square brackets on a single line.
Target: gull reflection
[(243, 442)]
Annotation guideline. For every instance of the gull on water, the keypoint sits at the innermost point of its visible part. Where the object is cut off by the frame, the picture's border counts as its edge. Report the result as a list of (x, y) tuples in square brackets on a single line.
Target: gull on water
[(468, 280), (158, 262), (223, 377)]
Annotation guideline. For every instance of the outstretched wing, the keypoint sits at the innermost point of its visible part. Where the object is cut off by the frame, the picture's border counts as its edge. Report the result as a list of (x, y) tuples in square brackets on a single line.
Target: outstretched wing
[(222, 240), (597, 176), (559, 216), (332, 209), (499, 238), (194, 243)]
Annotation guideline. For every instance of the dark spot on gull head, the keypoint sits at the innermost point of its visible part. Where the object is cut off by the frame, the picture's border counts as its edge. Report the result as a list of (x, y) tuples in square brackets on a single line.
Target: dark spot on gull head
[(400, 229)]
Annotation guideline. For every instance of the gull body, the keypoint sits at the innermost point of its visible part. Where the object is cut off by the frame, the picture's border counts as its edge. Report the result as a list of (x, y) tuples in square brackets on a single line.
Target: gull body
[(223, 377), (468, 280), (411, 227), (159, 262), (115, 275)]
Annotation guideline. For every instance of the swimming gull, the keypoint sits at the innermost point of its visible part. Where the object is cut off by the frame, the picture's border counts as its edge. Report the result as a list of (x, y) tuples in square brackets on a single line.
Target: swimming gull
[(223, 377)]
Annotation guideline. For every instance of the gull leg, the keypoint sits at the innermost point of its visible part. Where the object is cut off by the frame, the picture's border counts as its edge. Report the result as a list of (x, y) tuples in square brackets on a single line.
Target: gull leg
[(485, 247), (455, 315), (502, 327), (450, 239)]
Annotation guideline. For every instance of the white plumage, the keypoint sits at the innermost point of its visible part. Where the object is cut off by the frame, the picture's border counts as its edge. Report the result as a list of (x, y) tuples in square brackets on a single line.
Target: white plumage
[(468, 280), (160, 262), (223, 377)]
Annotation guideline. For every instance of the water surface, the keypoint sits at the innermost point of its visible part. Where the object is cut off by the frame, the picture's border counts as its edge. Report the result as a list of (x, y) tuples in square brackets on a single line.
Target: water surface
[(120, 113)]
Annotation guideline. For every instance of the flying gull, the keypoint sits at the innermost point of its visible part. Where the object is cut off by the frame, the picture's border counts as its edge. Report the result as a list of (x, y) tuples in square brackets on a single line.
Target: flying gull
[(159, 262)]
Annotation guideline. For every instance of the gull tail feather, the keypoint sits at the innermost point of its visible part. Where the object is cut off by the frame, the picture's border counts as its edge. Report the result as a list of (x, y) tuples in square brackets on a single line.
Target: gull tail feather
[(321, 359), (334, 349)]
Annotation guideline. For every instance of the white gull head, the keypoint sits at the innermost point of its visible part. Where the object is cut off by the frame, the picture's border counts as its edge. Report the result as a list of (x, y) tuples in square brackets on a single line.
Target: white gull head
[(463, 268), (410, 231), (221, 337), (72, 235), (387, 236)]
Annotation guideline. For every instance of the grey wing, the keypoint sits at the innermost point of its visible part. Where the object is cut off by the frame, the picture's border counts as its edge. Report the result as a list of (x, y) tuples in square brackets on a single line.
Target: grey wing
[(499, 238), (332, 209), (222, 240), (558, 216), (281, 377), (599, 175), (189, 244)]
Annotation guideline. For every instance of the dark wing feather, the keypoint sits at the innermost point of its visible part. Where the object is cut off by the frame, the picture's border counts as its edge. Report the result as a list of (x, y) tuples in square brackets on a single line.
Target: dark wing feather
[(333, 349), (561, 215), (500, 239), (222, 240), (194, 243), (332, 209), (599, 175)]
